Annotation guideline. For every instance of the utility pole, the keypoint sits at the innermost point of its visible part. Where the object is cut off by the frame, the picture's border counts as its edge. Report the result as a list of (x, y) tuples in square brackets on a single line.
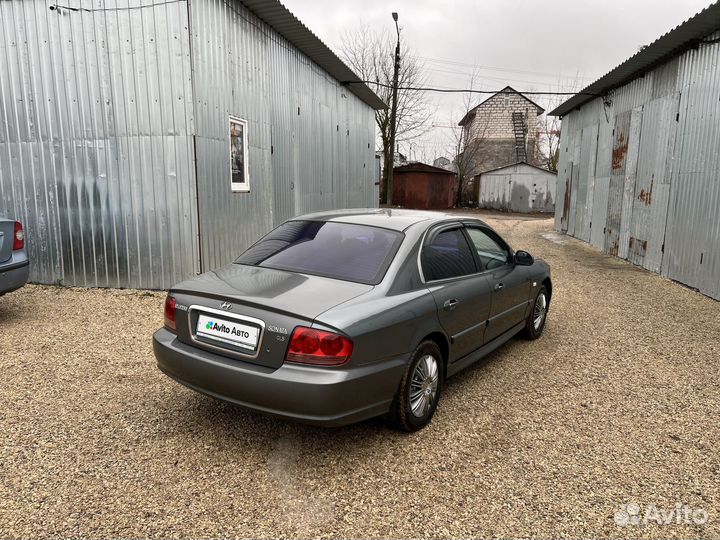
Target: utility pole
[(393, 114)]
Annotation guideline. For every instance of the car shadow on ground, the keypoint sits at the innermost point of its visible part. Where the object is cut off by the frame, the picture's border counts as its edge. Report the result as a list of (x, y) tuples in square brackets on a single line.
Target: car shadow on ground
[(186, 411), (8, 311)]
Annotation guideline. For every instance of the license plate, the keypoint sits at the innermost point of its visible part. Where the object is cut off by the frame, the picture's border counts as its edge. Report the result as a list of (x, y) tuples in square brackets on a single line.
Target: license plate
[(230, 332)]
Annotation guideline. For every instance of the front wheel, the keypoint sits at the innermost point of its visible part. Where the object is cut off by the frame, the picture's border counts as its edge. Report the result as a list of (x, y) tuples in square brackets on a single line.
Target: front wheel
[(535, 323), (419, 391)]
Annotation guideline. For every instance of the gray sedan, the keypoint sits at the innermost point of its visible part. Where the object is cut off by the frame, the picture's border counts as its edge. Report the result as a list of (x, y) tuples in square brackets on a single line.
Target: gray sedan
[(14, 264), (340, 316)]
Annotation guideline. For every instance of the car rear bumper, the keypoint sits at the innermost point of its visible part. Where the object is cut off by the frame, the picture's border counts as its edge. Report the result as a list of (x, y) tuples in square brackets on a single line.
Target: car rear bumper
[(14, 273), (313, 395)]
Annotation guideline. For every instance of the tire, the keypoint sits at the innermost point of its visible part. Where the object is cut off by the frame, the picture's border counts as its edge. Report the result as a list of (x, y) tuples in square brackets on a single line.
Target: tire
[(414, 413), (533, 326)]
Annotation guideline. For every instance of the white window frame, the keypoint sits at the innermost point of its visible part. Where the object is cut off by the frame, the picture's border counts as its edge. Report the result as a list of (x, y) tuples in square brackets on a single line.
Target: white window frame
[(239, 187)]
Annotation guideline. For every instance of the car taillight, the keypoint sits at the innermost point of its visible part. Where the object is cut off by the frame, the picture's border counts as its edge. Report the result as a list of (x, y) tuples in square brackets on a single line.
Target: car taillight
[(317, 347), (170, 303), (19, 238)]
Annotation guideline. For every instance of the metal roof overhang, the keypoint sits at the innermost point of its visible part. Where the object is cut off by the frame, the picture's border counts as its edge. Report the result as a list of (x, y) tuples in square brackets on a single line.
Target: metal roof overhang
[(280, 19), (682, 37)]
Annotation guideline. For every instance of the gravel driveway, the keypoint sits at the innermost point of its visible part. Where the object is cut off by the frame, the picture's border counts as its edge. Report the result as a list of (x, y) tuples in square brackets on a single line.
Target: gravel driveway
[(618, 403)]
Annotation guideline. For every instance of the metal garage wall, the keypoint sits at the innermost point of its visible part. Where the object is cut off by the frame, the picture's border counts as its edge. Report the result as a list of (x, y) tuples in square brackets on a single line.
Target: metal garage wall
[(656, 188), (95, 145), (517, 188), (311, 140), (652, 189), (692, 245)]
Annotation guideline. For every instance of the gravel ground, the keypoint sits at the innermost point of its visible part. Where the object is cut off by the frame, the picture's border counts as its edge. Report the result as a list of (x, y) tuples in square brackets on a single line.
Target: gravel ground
[(619, 402)]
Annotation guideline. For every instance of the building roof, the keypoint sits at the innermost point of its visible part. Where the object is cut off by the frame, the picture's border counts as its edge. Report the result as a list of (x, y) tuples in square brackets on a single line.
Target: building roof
[(513, 165), (421, 167), (506, 90), (275, 14), (682, 37)]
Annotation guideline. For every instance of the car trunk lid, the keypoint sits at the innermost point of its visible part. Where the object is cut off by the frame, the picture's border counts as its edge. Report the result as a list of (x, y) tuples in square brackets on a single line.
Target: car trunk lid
[(7, 238), (262, 304)]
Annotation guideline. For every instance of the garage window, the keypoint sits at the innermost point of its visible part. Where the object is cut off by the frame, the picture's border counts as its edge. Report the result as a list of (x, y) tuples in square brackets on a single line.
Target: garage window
[(239, 177)]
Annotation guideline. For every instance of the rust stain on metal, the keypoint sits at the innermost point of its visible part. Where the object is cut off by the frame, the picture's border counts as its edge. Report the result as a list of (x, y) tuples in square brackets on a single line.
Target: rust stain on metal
[(619, 151), (566, 202), (637, 246), (646, 196), (614, 247)]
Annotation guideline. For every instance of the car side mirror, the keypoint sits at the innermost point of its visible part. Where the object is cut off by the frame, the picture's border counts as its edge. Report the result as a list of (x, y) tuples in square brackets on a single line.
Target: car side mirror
[(523, 258)]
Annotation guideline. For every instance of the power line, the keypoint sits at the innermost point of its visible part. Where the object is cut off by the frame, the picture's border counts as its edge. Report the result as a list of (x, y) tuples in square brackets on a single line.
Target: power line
[(463, 75), (495, 68), (472, 90), (124, 8)]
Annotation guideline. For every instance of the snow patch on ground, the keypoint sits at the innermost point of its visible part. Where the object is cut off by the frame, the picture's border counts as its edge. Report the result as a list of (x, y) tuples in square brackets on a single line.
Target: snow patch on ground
[(555, 238)]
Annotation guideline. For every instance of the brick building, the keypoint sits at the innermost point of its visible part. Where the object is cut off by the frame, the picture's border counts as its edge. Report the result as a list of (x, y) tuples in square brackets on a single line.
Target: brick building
[(501, 131)]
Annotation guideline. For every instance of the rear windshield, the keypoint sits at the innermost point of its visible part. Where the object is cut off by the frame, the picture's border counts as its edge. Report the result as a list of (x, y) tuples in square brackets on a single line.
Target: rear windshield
[(344, 251)]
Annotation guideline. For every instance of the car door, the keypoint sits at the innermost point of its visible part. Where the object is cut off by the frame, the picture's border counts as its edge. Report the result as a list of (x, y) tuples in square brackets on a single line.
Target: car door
[(510, 282), (461, 294)]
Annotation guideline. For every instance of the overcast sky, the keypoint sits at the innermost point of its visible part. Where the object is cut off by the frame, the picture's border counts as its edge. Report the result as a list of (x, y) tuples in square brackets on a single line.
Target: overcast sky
[(527, 44)]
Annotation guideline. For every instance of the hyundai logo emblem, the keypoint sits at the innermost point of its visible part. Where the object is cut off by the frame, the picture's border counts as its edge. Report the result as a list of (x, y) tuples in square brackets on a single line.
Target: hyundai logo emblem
[(226, 305)]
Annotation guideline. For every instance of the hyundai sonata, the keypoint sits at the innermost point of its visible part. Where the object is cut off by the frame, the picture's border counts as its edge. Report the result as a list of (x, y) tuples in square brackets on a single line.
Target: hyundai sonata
[(336, 317)]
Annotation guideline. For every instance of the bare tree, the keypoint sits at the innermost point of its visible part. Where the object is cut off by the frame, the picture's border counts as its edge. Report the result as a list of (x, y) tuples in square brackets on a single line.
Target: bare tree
[(466, 144), (548, 140), (371, 55), (548, 127)]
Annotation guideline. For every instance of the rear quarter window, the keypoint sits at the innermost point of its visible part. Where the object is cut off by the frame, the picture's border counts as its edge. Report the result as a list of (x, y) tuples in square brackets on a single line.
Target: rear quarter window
[(448, 255), (343, 251)]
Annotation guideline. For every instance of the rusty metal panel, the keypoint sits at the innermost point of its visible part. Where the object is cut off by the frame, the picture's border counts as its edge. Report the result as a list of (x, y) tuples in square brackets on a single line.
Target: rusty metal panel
[(574, 180), (599, 212), (631, 161), (652, 185), (564, 173), (621, 136), (584, 187)]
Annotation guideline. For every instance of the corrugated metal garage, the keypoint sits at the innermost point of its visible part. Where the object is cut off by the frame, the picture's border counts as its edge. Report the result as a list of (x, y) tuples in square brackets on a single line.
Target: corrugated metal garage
[(142, 142), (639, 173), (516, 188), (418, 185)]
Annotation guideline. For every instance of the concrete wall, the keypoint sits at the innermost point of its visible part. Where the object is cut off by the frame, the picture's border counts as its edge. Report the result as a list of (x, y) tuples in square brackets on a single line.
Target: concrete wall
[(519, 188)]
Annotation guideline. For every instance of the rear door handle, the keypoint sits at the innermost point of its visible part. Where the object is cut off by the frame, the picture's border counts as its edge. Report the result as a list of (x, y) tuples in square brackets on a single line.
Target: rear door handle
[(449, 305), (499, 286)]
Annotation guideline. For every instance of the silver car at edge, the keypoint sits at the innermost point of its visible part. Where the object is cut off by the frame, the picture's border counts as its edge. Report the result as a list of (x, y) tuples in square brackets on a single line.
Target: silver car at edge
[(340, 316), (14, 263)]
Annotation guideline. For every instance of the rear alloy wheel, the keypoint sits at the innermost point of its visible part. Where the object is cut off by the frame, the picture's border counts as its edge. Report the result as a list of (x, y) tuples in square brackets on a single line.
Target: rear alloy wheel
[(419, 390), (535, 323)]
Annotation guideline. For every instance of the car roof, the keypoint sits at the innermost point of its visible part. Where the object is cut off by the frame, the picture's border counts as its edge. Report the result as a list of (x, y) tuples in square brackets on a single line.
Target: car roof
[(397, 219)]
